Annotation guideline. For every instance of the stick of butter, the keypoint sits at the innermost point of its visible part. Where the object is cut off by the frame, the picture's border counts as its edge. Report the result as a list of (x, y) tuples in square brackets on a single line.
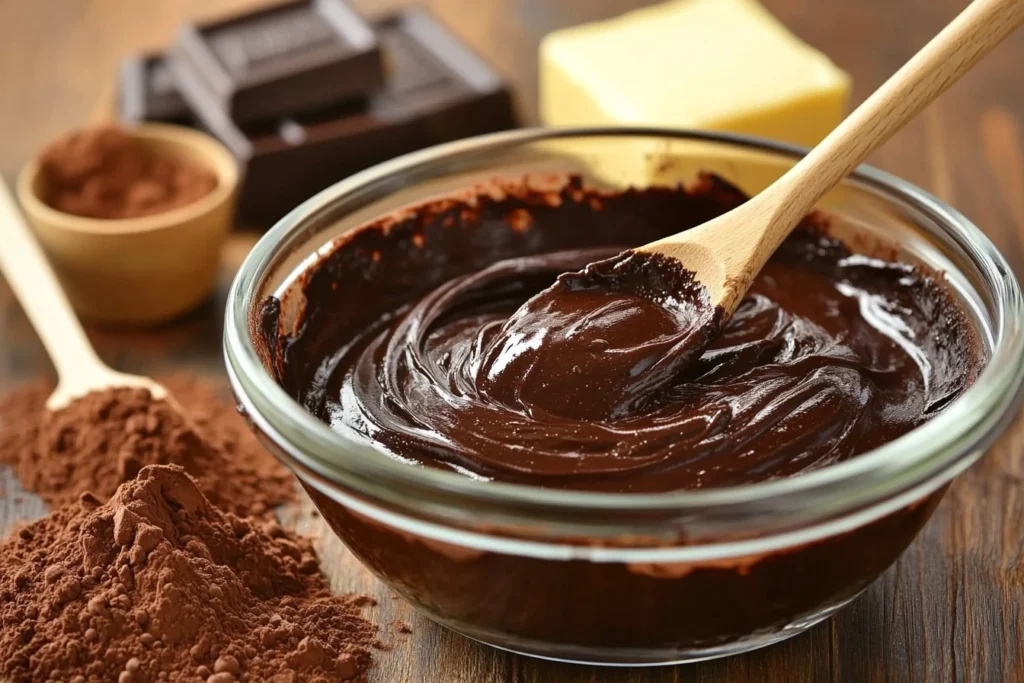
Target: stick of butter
[(725, 65)]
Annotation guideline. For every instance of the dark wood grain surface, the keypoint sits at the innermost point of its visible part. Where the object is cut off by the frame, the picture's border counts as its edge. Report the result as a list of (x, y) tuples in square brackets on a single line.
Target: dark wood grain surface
[(951, 609)]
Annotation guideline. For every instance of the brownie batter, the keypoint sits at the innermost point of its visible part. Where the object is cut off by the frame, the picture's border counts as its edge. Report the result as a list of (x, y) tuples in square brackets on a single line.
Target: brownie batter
[(614, 334), (415, 338)]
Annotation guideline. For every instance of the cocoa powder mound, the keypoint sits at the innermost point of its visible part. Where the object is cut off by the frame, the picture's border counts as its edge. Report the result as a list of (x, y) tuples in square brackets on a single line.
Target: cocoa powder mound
[(159, 585), (106, 172), (105, 438)]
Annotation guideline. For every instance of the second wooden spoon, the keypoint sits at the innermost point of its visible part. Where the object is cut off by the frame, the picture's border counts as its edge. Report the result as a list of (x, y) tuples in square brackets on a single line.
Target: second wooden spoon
[(79, 369)]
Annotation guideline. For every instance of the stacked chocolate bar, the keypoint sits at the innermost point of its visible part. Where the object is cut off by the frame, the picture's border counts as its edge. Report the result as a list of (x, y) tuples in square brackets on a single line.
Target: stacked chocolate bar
[(307, 93)]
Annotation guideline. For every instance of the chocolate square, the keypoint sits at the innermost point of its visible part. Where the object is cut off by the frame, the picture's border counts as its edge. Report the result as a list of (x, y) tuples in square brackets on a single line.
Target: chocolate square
[(277, 61), (436, 90), (147, 92)]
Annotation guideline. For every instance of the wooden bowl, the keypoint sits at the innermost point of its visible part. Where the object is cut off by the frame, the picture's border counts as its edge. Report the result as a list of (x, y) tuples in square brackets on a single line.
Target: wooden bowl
[(143, 270)]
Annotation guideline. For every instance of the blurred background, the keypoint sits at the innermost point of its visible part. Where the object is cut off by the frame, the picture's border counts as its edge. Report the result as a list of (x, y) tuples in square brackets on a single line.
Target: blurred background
[(59, 62)]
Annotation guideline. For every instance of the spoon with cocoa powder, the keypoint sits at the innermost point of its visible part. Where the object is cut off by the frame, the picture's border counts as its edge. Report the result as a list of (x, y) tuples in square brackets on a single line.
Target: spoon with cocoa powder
[(79, 370)]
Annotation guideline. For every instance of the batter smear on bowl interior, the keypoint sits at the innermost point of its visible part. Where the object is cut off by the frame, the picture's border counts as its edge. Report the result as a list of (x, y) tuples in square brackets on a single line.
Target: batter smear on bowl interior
[(425, 352)]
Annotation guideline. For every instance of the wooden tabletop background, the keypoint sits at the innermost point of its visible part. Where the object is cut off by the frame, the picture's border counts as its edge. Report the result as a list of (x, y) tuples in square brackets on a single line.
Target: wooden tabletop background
[(951, 609)]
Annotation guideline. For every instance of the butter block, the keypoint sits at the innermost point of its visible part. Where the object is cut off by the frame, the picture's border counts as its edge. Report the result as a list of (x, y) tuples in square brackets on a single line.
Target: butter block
[(723, 65)]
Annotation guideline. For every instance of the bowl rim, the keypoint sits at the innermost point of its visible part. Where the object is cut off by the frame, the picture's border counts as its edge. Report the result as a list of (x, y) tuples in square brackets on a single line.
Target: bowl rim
[(939, 446), (225, 168)]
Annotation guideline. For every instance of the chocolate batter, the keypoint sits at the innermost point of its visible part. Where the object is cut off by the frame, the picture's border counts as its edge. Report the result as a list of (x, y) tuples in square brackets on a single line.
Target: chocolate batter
[(414, 339), (614, 334)]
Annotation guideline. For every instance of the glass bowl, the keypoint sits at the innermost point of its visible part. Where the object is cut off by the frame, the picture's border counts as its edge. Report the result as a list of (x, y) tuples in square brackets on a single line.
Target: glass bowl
[(629, 578)]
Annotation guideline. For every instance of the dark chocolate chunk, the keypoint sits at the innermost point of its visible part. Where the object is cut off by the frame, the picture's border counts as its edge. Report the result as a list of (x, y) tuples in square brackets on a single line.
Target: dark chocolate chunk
[(146, 92), (280, 60), (436, 90)]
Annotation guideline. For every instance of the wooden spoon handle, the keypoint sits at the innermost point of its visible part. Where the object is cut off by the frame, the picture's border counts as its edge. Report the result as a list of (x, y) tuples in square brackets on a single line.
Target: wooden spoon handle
[(947, 57), (36, 286)]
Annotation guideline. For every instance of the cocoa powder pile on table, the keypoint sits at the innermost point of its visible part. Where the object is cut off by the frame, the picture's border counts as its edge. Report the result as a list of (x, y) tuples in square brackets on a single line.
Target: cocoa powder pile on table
[(159, 585), (104, 439)]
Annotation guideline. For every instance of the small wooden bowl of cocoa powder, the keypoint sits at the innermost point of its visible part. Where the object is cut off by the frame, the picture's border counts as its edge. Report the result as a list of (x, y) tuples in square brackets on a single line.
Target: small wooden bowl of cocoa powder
[(133, 219)]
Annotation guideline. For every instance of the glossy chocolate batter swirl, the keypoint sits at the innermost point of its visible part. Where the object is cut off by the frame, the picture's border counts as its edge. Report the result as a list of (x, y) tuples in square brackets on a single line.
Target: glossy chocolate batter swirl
[(614, 333), (830, 354)]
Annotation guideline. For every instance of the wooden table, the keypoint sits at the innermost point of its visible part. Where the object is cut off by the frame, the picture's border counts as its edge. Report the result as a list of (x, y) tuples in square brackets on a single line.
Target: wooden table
[(951, 609)]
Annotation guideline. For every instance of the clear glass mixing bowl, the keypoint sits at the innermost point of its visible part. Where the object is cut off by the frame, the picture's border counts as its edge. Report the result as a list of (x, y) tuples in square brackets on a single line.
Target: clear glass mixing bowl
[(629, 578)]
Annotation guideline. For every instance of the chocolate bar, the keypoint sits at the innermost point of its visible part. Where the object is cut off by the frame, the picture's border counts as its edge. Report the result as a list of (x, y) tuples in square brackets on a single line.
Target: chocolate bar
[(284, 59), (146, 92), (436, 90)]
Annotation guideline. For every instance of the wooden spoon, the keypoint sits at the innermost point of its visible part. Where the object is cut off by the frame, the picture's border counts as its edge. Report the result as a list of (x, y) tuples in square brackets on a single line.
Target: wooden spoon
[(726, 253), (79, 369)]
